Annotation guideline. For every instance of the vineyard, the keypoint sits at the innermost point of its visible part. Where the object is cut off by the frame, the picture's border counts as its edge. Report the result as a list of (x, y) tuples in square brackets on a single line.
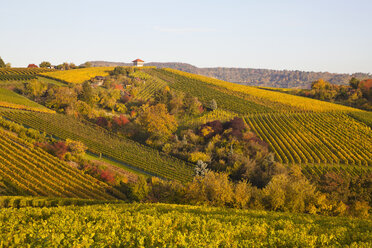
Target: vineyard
[(298, 130), (296, 102), (206, 93), (17, 74), (166, 225), (27, 170), (124, 150), (327, 138), (78, 75), (149, 86), (40, 201), (10, 99)]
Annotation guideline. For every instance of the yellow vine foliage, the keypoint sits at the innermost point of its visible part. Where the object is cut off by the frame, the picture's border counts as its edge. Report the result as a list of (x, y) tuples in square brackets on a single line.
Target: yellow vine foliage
[(303, 103), (79, 75)]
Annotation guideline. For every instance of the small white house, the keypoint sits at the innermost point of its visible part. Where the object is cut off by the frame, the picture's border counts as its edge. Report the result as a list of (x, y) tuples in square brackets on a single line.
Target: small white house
[(138, 62)]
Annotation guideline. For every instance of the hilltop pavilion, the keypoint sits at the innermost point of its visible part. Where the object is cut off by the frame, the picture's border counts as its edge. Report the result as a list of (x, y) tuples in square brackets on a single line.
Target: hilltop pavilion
[(138, 62)]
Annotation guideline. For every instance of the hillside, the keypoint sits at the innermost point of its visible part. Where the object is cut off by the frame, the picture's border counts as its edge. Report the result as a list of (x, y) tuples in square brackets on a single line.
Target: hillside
[(27, 170), (12, 100), (126, 151), (252, 76), (165, 225), (298, 130)]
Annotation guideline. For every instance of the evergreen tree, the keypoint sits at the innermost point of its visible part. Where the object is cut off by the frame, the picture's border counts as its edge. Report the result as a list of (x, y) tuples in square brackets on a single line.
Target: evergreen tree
[(2, 64)]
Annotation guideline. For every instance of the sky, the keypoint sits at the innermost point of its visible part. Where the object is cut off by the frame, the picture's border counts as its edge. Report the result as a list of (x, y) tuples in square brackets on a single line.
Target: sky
[(316, 35)]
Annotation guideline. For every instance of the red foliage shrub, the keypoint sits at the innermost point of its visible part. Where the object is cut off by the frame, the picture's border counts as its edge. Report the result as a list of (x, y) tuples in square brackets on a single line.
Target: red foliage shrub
[(102, 121), (118, 87), (107, 176), (201, 109), (126, 98), (216, 127), (365, 84), (32, 66), (121, 121), (58, 149), (237, 125)]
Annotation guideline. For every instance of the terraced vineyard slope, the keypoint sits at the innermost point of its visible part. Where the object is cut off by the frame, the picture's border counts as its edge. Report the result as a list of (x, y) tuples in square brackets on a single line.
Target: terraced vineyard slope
[(27, 170), (298, 130), (16, 74), (296, 102), (100, 141), (315, 138)]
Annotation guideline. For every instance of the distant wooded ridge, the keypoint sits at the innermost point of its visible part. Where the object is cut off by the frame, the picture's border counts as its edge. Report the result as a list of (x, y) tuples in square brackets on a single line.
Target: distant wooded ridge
[(254, 77)]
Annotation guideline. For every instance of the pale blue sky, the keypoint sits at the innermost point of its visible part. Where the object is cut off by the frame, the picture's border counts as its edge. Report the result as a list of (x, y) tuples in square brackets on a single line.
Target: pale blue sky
[(313, 35)]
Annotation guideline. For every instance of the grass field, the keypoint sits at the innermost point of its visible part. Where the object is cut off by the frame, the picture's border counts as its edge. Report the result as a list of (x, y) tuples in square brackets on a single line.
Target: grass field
[(165, 225)]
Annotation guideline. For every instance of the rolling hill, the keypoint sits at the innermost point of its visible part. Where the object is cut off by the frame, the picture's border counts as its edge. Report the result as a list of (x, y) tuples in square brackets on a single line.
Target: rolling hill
[(253, 76), (317, 135)]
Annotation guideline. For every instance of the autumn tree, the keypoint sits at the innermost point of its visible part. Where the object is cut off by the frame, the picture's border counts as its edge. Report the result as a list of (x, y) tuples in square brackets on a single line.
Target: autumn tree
[(214, 188), (157, 121), (76, 147), (320, 84)]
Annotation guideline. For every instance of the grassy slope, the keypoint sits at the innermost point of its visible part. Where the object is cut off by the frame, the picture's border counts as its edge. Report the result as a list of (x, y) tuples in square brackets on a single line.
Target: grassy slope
[(12, 97), (50, 81), (162, 225), (78, 75)]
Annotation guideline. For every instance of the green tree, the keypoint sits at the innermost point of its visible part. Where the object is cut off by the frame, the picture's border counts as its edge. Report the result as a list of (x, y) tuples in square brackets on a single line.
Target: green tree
[(2, 64), (213, 104), (87, 65), (45, 64), (36, 88), (87, 95), (354, 83), (61, 97)]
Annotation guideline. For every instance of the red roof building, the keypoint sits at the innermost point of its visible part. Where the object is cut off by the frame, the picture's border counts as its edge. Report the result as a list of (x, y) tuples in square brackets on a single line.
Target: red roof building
[(138, 62)]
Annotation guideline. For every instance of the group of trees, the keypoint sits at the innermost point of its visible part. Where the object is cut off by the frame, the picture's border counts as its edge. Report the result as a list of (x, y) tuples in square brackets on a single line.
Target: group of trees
[(3, 65), (357, 94), (285, 190)]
